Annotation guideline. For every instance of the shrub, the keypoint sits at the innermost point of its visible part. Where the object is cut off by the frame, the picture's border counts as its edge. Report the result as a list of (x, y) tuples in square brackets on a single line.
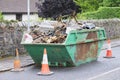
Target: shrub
[(102, 13), (1, 16)]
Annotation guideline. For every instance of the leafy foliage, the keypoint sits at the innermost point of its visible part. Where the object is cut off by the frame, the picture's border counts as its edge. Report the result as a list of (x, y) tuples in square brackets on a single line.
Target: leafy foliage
[(93, 5), (111, 3), (55, 8), (88, 5), (96, 9), (1, 16), (102, 13)]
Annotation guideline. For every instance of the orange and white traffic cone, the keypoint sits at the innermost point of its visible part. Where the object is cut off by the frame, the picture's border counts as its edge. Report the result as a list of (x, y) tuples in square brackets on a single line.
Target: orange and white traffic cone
[(109, 51), (17, 63), (45, 67)]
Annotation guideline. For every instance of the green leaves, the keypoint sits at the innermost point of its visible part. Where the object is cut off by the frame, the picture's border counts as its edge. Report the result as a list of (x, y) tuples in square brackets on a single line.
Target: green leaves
[(88, 5), (93, 5), (102, 13), (1, 16), (111, 3)]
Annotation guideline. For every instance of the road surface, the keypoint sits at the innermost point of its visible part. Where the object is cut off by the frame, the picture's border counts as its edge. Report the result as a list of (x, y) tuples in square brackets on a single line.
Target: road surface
[(102, 69)]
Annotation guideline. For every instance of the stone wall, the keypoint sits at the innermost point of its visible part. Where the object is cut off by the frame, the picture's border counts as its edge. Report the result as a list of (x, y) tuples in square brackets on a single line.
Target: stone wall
[(11, 34), (10, 38), (112, 26)]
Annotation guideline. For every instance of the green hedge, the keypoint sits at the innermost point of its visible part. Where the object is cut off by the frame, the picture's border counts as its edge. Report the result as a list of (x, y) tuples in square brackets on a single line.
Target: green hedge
[(1, 16), (102, 13)]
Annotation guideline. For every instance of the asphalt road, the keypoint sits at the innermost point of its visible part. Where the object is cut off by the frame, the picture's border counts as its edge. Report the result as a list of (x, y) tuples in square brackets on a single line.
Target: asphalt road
[(102, 69)]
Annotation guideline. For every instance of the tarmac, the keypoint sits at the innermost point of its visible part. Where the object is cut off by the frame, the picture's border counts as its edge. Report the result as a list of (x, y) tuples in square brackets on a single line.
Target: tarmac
[(6, 64)]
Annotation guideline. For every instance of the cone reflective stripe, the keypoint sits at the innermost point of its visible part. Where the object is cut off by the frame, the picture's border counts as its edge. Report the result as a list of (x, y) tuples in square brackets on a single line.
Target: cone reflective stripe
[(109, 51), (17, 63), (45, 59), (45, 67), (109, 44)]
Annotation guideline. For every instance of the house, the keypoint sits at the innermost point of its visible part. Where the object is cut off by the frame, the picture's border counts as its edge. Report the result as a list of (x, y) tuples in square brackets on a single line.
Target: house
[(17, 9)]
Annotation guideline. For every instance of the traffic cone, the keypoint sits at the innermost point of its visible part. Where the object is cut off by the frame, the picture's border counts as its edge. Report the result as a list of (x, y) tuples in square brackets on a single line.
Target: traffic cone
[(45, 67), (109, 51), (17, 63)]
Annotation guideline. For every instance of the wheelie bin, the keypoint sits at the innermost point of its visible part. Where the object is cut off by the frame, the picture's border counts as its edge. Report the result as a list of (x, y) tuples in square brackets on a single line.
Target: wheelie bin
[(80, 46)]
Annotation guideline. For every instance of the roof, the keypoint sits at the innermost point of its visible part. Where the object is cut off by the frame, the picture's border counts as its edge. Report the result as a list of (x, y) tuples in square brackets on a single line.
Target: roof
[(17, 6)]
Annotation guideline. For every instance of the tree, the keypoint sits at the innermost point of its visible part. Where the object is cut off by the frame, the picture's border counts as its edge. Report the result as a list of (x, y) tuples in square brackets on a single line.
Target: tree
[(56, 8), (111, 3), (88, 5)]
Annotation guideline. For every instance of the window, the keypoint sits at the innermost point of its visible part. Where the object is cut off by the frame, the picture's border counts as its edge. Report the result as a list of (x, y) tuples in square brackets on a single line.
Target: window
[(19, 17)]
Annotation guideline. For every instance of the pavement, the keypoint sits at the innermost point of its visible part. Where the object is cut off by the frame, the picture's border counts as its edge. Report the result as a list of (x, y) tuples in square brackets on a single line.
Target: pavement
[(6, 64)]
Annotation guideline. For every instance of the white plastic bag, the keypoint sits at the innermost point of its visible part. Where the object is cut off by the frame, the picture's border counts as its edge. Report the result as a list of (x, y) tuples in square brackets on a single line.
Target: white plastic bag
[(27, 38)]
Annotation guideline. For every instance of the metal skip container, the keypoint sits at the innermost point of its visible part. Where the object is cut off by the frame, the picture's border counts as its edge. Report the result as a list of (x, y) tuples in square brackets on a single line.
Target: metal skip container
[(80, 46)]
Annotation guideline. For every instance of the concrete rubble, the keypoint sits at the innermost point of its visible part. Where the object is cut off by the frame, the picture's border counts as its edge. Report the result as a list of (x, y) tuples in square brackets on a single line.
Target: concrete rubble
[(54, 31)]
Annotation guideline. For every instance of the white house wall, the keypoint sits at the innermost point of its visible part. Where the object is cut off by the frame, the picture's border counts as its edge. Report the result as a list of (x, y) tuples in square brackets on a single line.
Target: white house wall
[(9, 16), (33, 17)]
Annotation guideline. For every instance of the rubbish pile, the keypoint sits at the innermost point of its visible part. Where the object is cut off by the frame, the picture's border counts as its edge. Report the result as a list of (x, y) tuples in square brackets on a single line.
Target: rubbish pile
[(53, 31), (49, 33)]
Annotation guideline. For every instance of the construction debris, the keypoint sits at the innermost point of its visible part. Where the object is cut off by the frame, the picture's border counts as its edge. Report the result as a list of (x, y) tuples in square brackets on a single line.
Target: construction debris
[(53, 31)]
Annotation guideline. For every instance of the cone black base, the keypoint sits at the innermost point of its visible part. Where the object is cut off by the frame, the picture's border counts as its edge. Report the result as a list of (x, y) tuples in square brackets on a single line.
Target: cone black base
[(109, 57)]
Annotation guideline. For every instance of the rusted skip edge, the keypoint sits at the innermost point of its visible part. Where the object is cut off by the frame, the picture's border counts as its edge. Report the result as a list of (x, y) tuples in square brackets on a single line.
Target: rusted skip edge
[(87, 41)]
